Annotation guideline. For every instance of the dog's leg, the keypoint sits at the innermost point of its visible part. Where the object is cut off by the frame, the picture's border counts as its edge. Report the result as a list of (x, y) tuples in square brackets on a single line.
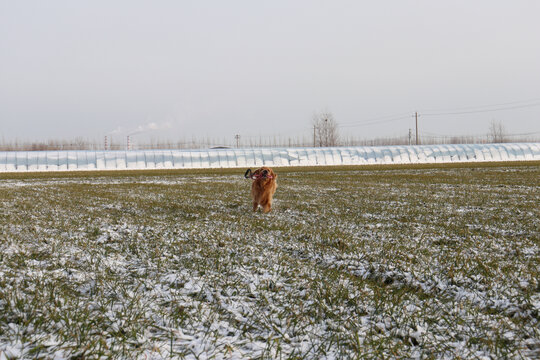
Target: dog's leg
[(255, 206), (267, 207)]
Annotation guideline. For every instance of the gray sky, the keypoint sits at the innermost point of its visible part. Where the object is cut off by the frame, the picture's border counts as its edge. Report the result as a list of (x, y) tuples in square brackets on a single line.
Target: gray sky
[(173, 69)]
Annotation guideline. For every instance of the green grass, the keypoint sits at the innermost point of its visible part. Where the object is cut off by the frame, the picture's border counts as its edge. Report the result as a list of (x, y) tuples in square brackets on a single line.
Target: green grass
[(367, 262)]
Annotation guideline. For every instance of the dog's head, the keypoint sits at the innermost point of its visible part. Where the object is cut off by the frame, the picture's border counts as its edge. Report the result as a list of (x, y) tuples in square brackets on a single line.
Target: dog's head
[(262, 173)]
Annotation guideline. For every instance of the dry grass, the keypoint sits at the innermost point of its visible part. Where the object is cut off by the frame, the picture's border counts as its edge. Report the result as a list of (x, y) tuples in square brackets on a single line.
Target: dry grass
[(352, 262)]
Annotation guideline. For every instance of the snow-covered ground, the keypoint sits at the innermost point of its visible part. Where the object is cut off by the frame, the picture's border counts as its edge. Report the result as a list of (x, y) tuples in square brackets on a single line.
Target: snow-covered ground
[(24, 161), (434, 263)]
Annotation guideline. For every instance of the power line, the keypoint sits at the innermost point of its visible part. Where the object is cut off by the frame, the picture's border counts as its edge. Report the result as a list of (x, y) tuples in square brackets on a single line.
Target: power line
[(375, 122), (455, 111), (482, 111), (403, 116), (431, 134), (379, 118), (478, 107)]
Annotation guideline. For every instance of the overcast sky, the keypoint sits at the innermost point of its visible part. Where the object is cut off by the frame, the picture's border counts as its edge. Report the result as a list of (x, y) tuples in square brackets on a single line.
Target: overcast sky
[(174, 69)]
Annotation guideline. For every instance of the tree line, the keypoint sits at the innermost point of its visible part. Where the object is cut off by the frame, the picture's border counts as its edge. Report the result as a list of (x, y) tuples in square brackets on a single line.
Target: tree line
[(325, 132)]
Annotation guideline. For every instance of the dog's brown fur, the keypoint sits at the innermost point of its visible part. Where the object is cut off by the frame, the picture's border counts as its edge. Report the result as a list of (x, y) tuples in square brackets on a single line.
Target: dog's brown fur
[(263, 189)]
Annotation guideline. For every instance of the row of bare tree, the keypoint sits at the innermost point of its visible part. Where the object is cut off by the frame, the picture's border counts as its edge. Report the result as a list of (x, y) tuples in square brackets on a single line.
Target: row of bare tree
[(325, 130), (252, 143), (325, 133)]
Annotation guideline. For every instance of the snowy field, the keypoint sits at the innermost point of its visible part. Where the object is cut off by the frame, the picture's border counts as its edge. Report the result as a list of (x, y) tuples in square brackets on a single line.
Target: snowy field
[(415, 263)]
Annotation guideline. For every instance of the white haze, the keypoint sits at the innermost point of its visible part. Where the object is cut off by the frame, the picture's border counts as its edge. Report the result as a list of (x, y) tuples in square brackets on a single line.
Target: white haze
[(177, 69)]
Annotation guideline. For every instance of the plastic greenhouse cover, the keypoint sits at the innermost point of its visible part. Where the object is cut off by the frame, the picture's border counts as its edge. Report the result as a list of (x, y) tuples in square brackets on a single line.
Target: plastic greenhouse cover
[(16, 161)]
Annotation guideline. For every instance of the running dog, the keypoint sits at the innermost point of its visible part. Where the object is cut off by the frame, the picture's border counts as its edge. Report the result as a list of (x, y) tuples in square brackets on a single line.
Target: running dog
[(263, 187)]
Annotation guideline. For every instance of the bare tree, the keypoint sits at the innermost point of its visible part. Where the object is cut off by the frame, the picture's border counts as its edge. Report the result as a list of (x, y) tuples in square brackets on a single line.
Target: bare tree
[(325, 130), (497, 134)]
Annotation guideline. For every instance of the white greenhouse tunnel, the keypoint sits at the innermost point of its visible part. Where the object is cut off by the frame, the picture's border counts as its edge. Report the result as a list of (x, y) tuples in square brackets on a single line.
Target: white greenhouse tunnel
[(27, 161)]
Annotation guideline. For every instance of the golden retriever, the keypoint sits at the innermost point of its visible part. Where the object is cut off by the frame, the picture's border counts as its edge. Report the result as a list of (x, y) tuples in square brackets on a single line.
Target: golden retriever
[(263, 187)]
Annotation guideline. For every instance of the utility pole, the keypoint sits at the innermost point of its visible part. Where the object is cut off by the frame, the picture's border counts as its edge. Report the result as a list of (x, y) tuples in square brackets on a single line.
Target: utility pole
[(105, 142), (416, 116), (237, 137), (326, 132), (313, 135)]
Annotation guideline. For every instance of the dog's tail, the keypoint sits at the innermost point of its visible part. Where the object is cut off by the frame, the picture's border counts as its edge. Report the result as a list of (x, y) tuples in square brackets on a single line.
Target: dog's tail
[(247, 175)]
